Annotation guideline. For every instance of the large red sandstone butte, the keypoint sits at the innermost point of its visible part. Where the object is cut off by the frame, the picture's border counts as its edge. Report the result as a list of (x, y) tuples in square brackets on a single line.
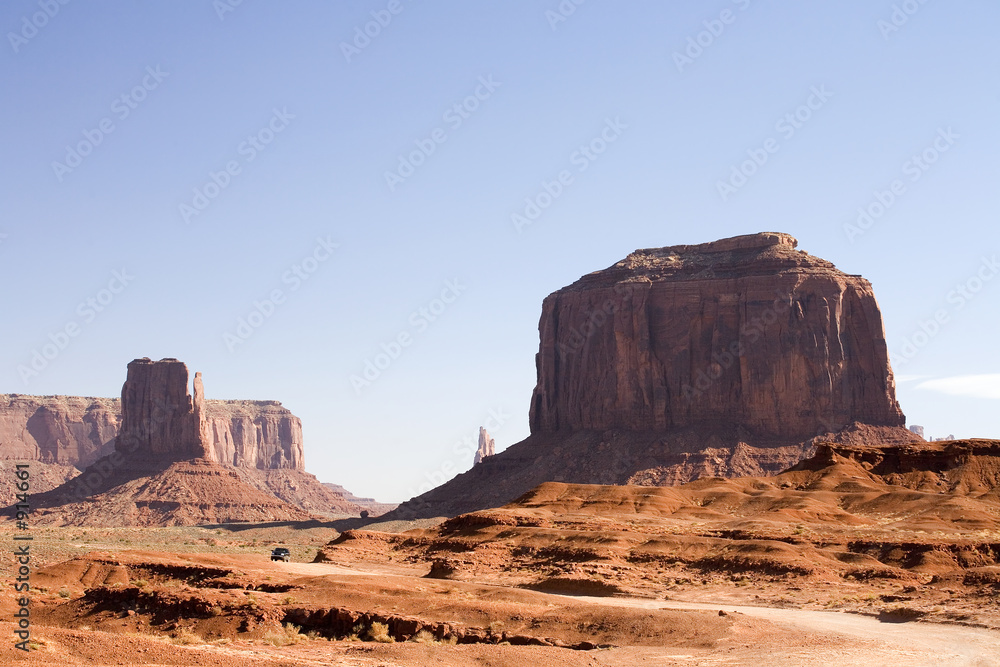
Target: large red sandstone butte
[(747, 331), (176, 462), (725, 358)]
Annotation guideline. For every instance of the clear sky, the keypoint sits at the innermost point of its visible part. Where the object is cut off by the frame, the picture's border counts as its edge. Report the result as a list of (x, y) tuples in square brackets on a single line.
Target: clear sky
[(169, 168)]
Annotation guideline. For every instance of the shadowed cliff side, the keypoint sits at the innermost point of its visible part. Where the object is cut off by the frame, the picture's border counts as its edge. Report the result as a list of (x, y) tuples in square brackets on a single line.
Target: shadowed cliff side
[(725, 358)]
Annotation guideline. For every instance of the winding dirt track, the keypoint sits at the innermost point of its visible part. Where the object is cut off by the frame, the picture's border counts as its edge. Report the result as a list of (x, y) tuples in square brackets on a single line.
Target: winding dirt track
[(864, 638), (827, 637)]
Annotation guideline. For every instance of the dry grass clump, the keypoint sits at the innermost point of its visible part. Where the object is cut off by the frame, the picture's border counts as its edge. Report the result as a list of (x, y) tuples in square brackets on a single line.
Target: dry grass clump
[(185, 637), (379, 632), (289, 635)]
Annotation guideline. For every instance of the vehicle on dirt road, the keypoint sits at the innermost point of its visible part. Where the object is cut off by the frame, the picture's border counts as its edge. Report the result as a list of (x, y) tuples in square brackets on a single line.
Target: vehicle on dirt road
[(281, 553)]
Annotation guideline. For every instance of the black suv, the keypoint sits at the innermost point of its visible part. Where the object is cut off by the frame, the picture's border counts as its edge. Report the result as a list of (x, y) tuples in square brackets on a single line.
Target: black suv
[(281, 553)]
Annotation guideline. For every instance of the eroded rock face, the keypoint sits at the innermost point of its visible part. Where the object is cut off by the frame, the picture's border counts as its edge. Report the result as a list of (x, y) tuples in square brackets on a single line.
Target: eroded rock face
[(159, 415), (179, 459), (63, 430), (487, 447), (719, 359), (254, 434), (76, 431), (746, 331)]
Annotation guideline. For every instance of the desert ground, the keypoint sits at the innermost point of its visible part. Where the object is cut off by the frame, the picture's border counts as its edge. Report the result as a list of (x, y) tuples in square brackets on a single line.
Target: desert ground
[(828, 563)]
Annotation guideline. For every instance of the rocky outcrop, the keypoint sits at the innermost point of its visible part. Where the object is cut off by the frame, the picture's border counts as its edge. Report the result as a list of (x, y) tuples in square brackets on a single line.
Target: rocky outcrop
[(76, 431), (374, 507), (254, 434), (487, 447), (745, 331), (720, 359), (179, 459), (178, 493), (159, 416), (63, 430)]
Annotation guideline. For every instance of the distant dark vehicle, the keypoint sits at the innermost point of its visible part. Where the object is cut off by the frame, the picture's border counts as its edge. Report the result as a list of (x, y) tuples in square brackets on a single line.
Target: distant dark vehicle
[(281, 553)]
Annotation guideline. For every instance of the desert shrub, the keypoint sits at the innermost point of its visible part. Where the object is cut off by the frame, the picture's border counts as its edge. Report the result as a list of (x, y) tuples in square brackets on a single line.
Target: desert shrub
[(423, 637), (290, 634), (185, 637), (64, 592), (379, 632)]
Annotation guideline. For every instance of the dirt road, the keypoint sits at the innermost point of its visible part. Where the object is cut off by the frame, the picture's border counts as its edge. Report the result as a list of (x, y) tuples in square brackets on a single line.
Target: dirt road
[(853, 639), (824, 637)]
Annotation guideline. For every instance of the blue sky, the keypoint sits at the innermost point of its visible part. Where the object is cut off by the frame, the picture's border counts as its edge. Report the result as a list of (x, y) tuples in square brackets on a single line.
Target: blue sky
[(170, 168)]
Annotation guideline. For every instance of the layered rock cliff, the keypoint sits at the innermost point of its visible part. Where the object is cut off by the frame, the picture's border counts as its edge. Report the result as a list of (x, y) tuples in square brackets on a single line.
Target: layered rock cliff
[(745, 331), (177, 458), (726, 358), (159, 415), (63, 430), (76, 431)]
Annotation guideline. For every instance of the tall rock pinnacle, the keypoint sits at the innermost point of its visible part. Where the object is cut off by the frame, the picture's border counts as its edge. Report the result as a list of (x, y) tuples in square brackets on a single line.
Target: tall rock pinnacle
[(159, 416), (486, 446)]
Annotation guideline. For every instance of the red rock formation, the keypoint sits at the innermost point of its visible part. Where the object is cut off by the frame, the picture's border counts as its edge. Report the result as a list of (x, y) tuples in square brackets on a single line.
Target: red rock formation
[(76, 431), (724, 358), (181, 459), (254, 434), (487, 447), (63, 430), (159, 416), (745, 331)]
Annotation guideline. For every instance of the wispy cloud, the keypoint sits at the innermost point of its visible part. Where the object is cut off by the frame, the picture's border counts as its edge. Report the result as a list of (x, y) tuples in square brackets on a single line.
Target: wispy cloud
[(910, 378), (975, 386)]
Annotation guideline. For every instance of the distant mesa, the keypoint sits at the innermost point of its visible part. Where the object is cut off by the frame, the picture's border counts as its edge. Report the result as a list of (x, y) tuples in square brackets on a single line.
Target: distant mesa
[(718, 359), (175, 458)]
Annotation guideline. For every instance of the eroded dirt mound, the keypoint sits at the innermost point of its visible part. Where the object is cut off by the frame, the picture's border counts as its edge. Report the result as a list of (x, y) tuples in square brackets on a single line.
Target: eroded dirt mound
[(216, 597), (921, 517), (43, 477), (180, 493)]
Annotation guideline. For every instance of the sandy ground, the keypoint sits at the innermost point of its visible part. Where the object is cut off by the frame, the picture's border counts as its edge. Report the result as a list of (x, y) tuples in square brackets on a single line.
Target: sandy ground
[(779, 636)]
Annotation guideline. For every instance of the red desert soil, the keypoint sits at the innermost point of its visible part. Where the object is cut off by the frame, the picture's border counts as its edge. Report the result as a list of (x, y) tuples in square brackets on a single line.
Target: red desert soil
[(899, 532), (716, 572)]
